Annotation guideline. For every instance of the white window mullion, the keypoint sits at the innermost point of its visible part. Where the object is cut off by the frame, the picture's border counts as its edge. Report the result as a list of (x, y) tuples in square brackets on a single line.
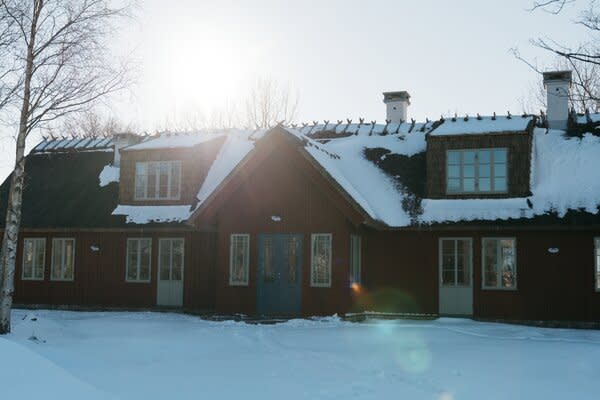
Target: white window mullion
[(169, 177), (455, 262), (63, 245)]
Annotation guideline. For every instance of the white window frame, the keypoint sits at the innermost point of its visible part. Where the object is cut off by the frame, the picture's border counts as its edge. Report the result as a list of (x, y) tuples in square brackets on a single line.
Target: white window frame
[(441, 260), (156, 196), (62, 261), (36, 242), (313, 238), (246, 264), (138, 266), (498, 272), (476, 177), (170, 239), (596, 263), (355, 259)]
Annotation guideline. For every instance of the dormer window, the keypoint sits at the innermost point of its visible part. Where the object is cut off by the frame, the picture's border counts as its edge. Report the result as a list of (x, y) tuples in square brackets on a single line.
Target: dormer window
[(158, 180), (476, 171)]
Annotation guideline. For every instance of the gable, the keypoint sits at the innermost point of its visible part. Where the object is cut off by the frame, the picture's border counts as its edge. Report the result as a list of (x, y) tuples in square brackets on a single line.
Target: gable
[(280, 141)]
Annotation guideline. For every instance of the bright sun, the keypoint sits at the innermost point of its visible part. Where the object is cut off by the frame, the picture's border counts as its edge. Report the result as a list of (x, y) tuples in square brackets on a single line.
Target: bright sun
[(198, 74)]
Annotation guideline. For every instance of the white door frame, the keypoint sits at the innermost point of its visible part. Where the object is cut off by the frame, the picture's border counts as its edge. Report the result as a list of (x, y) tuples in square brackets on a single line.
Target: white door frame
[(170, 292), (457, 299)]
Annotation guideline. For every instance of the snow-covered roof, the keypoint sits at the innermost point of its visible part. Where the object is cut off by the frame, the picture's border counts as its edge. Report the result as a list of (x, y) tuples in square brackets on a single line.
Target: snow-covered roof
[(55, 145), (149, 214), (346, 128), (236, 146), (588, 118), (480, 125), (174, 140), (565, 171)]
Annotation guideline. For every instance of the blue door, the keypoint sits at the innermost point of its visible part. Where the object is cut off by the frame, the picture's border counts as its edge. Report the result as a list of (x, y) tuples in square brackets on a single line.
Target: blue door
[(279, 274)]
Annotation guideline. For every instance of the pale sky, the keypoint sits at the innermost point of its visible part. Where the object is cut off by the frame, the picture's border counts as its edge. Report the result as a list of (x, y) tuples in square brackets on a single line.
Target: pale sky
[(452, 56)]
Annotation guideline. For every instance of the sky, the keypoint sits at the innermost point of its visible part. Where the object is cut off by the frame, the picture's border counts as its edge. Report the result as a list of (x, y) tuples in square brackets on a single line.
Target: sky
[(194, 56)]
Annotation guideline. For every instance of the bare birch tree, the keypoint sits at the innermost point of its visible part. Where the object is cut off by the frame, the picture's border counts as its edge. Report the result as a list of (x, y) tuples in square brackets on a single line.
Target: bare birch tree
[(64, 61)]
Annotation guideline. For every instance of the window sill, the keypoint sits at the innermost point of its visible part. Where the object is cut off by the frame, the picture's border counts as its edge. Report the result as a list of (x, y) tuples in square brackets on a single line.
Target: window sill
[(495, 289), (238, 284)]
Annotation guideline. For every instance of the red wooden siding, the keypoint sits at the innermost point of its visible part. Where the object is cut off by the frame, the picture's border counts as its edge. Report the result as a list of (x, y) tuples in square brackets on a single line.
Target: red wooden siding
[(284, 185), (99, 276), (400, 274)]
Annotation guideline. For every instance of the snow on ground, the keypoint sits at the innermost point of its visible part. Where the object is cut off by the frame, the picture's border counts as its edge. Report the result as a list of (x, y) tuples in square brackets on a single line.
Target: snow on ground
[(147, 214), (171, 356), (109, 174)]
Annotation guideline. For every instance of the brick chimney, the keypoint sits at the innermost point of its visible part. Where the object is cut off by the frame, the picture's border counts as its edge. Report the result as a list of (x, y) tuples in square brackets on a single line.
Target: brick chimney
[(397, 105), (557, 84)]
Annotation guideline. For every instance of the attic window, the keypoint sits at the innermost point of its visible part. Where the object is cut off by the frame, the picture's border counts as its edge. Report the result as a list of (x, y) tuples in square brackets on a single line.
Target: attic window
[(476, 171), (158, 180)]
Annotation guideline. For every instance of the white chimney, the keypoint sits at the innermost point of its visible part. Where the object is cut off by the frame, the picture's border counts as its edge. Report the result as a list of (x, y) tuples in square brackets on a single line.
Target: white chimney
[(121, 140), (557, 84), (397, 105)]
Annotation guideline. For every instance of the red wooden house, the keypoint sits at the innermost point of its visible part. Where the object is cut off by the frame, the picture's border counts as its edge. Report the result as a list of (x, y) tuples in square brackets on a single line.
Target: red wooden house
[(492, 217)]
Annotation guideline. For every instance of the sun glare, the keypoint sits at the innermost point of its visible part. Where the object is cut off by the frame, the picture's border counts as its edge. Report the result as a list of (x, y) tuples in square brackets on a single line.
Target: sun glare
[(199, 72)]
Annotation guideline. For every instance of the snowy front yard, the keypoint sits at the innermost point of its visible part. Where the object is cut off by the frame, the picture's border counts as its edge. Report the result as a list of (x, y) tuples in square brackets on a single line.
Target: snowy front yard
[(104, 355)]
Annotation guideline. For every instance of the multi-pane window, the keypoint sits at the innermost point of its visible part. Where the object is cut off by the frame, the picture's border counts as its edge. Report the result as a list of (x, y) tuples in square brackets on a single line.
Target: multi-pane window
[(597, 254), (355, 254), (158, 180), (499, 263), (476, 171), (63, 259), (239, 255), (34, 253), (320, 260), (456, 262), (269, 259), (170, 259), (139, 252)]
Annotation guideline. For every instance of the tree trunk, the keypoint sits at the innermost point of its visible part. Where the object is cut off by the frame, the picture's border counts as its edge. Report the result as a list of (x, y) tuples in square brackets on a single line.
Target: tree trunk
[(8, 254)]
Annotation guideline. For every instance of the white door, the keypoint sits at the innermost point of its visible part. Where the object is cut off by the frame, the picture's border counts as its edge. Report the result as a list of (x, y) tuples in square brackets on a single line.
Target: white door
[(456, 276), (170, 272)]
